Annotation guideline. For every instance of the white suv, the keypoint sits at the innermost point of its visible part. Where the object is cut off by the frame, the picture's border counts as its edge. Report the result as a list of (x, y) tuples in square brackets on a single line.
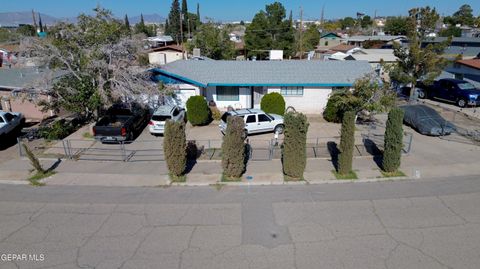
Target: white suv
[(256, 121), (156, 125)]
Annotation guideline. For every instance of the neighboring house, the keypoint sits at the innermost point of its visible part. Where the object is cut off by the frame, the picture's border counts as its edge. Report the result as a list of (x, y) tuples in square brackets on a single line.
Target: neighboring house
[(305, 85), (466, 69), (373, 56), (386, 40), (17, 95), (160, 41), (329, 40), (467, 47), (165, 55)]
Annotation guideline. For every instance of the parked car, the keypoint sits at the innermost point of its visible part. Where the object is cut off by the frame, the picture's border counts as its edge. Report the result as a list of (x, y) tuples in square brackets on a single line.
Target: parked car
[(121, 123), (426, 120), (10, 121), (256, 121), (162, 114), (451, 90)]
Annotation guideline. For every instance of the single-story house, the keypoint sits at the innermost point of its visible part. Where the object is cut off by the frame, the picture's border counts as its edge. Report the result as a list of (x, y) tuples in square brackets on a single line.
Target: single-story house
[(329, 40), (166, 54), (18, 95), (360, 40), (467, 47), (466, 69), (305, 85)]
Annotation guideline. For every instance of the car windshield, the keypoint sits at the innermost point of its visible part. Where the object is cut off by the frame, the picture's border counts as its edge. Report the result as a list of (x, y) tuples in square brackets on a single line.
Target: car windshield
[(160, 117), (466, 86)]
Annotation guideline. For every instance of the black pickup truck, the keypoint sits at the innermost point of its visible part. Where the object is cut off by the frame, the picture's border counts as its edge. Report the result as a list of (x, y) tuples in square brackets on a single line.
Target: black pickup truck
[(120, 123), (451, 90)]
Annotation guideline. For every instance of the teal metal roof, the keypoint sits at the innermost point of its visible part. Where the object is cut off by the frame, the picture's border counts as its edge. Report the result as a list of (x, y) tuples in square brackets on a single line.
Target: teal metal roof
[(266, 73)]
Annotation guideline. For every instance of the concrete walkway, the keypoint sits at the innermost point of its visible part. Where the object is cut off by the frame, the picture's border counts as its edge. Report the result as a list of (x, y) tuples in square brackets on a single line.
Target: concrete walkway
[(203, 173)]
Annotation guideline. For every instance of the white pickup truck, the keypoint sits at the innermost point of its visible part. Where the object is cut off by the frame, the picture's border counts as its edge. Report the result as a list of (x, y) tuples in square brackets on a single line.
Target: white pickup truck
[(10, 121)]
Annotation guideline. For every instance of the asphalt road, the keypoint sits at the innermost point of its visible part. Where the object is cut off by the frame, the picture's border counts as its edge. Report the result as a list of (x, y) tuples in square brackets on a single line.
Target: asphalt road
[(404, 224)]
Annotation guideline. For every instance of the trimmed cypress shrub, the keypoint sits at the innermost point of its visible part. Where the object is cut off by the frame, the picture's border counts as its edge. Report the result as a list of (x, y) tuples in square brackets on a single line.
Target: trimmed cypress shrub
[(294, 155), (198, 112), (393, 141), (175, 148), (273, 103), (347, 143), (233, 148)]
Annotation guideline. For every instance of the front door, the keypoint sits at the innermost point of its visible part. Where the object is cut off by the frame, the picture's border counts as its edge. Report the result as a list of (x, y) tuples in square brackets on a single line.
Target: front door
[(257, 94)]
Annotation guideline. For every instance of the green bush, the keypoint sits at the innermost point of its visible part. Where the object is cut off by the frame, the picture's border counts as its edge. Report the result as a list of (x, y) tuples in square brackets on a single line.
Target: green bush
[(273, 103), (393, 141), (175, 148), (338, 103), (33, 160), (198, 112), (347, 143), (233, 148), (58, 130), (294, 156)]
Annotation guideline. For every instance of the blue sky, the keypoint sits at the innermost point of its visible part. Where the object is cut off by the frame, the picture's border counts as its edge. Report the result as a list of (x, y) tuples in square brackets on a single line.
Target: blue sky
[(237, 9)]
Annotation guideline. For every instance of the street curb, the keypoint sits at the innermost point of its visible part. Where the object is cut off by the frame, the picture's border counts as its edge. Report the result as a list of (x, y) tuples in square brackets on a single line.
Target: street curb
[(14, 182)]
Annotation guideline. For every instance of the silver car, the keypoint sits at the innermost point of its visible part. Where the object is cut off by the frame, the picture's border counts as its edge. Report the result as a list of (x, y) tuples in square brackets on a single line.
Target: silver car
[(156, 126), (256, 121)]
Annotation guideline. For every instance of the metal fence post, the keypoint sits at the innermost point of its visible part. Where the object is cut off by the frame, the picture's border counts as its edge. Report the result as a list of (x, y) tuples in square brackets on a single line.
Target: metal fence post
[(20, 151), (65, 148), (410, 143), (122, 147)]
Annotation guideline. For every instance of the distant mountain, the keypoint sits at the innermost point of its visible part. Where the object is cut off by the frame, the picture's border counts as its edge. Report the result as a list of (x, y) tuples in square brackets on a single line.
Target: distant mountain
[(148, 18), (24, 17)]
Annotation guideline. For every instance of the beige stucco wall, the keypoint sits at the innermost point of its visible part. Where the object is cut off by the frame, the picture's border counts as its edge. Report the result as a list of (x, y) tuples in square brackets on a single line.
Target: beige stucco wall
[(313, 100), (164, 57)]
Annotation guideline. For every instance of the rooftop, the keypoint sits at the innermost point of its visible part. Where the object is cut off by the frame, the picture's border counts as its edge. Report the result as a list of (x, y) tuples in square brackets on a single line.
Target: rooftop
[(473, 63), (361, 38), (266, 73), (21, 78)]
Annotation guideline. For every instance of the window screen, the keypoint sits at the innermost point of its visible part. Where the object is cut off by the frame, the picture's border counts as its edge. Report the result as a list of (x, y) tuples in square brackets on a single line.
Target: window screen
[(228, 93), (291, 91)]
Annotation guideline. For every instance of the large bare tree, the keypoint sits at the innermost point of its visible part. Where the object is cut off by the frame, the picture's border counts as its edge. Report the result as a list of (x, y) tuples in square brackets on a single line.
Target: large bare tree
[(101, 63)]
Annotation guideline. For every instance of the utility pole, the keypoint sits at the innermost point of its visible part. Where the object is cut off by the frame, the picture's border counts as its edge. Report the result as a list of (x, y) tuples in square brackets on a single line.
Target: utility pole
[(374, 25), (322, 17), (181, 34), (301, 33), (188, 26)]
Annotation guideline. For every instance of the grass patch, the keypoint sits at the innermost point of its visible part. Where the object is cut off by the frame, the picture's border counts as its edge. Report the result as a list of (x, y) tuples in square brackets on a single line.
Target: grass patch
[(35, 179), (179, 179), (350, 176), (87, 135), (393, 174), (292, 179), (224, 178)]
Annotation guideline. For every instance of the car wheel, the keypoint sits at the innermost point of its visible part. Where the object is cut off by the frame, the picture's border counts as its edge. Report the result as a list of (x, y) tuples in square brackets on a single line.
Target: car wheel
[(279, 129), (461, 102), (421, 94), (130, 136)]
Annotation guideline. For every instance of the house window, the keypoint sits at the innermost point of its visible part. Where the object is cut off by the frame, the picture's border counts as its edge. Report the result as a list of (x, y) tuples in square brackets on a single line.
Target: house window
[(228, 94), (291, 91)]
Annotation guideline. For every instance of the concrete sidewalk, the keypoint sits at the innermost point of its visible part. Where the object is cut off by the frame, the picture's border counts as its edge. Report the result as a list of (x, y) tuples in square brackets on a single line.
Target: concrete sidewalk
[(141, 174)]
